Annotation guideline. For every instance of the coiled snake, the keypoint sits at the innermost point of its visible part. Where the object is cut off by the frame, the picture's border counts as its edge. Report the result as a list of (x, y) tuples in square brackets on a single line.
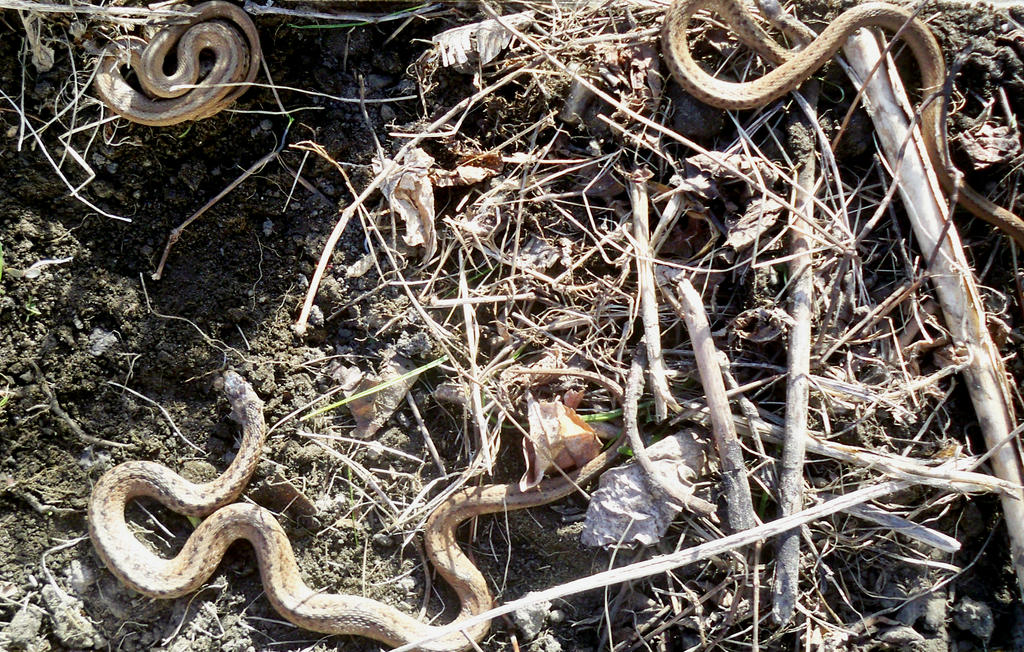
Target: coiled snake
[(229, 34), (140, 568), (219, 28)]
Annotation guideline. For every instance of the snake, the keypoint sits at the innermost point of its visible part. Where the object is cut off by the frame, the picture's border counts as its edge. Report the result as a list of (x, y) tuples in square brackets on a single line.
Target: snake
[(220, 29), (133, 563), (229, 34), (794, 68)]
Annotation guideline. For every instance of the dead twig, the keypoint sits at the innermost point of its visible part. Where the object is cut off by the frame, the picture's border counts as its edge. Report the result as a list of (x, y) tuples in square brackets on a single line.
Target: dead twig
[(740, 508), (122, 15), (72, 425), (954, 283), (175, 234), (256, 9), (663, 400), (790, 469)]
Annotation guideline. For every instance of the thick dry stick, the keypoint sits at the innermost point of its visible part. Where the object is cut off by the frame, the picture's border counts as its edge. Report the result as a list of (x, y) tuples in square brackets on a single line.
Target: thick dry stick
[(791, 464), (954, 285), (734, 474), (664, 563), (668, 490), (649, 295), (949, 476)]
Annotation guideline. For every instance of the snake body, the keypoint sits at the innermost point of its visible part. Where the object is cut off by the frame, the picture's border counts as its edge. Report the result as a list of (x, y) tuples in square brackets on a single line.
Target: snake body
[(140, 568), (219, 28), (229, 34), (794, 69)]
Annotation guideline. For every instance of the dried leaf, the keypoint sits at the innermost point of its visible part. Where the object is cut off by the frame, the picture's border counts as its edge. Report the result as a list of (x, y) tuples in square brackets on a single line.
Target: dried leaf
[(634, 71), (463, 175), (451, 393), (42, 54), (410, 194), (483, 218), (761, 325), (572, 398), (348, 378), (473, 167), (373, 410), (557, 437), (990, 145), (703, 170), (624, 510), (537, 255), (761, 214), (479, 43)]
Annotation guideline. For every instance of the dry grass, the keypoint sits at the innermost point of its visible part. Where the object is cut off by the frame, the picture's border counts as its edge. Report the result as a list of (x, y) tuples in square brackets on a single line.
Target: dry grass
[(564, 260), (588, 305)]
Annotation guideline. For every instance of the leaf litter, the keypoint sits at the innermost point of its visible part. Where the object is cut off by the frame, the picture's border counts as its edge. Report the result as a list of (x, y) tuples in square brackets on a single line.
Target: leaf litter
[(535, 259)]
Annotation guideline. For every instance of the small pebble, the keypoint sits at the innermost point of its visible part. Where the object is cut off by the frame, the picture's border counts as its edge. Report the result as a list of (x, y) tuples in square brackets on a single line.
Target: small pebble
[(900, 637), (934, 616), (407, 584), (974, 617), (23, 629), (80, 577), (546, 643), (70, 626), (316, 317), (101, 341), (530, 620)]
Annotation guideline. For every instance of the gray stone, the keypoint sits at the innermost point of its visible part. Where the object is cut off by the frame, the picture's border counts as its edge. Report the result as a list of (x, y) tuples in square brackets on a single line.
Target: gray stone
[(546, 643), (974, 617), (900, 636), (530, 620), (932, 645), (408, 584), (934, 616), (67, 616), (911, 612), (80, 577), (23, 630), (101, 341)]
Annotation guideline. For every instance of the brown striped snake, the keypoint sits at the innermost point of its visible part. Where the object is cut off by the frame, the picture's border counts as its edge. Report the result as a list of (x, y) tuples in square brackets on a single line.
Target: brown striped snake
[(229, 33), (793, 70), (218, 27), (140, 568)]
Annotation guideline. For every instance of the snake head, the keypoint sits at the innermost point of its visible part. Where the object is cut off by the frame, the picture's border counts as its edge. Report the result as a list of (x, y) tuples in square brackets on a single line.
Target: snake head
[(241, 396)]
